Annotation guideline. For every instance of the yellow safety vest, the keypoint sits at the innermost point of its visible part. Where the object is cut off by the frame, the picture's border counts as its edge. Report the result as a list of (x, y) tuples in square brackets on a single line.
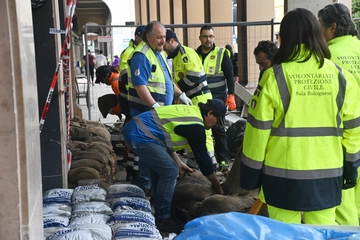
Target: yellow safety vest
[(156, 81), (167, 118), (215, 75), (123, 67), (189, 72)]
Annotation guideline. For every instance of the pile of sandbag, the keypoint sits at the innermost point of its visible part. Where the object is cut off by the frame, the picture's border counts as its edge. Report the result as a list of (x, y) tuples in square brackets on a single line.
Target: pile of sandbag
[(79, 214), (194, 196), (93, 156), (90, 212)]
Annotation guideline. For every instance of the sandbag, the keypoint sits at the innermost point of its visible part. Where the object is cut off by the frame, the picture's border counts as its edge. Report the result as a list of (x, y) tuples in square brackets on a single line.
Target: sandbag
[(92, 207), (89, 193), (72, 234), (192, 188), (55, 221), (80, 173), (106, 148), (130, 203), (98, 231), (135, 230), (93, 127), (75, 145), (100, 139), (81, 122), (221, 204), (86, 218), (100, 131), (128, 216), (124, 190), (91, 154), (58, 195), (56, 209), (88, 163), (79, 133)]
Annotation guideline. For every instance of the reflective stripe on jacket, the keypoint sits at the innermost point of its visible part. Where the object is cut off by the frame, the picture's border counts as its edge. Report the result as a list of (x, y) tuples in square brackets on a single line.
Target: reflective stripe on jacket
[(167, 118), (156, 83), (300, 120), (215, 76), (123, 68), (189, 72)]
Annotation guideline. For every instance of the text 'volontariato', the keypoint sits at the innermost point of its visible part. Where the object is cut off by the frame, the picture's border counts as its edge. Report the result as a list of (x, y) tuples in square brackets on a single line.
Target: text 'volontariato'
[(312, 84)]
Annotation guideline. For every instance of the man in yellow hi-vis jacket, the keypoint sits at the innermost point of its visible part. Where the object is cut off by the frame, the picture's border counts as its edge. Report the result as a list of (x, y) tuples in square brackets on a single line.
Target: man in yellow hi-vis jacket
[(341, 35), (190, 76)]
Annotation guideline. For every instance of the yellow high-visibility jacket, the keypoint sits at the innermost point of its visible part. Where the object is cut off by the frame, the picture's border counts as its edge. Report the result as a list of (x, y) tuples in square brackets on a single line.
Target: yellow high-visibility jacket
[(345, 51), (302, 135), (189, 72)]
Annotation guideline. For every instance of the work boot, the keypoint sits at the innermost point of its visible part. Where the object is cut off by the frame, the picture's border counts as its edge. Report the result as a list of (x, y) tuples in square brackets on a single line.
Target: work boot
[(169, 225)]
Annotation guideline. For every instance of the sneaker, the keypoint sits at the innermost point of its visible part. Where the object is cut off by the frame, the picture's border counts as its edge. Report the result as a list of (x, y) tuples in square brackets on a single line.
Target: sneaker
[(223, 166), (169, 225)]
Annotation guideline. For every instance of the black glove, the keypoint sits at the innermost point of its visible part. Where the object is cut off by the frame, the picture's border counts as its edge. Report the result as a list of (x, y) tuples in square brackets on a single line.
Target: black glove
[(348, 184)]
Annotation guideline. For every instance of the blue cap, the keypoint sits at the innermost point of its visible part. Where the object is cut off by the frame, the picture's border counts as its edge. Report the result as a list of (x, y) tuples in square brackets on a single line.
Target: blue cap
[(140, 30), (218, 107)]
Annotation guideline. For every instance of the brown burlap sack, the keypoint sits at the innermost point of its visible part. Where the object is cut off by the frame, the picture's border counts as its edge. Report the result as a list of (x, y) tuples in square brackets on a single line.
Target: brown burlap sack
[(221, 204), (91, 154), (99, 131), (81, 173), (101, 146), (79, 133), (100, 139), (194, 186), (88, 163), (80, 122), (75, 146)]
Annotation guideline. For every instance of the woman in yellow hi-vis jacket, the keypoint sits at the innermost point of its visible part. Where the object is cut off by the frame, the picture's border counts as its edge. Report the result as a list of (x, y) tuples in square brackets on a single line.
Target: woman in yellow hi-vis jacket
[(341, 35), (302, 139)]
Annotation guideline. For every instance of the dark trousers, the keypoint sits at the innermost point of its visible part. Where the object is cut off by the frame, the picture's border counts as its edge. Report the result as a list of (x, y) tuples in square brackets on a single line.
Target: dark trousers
[(219, 133), (91, 72), (221, 145)]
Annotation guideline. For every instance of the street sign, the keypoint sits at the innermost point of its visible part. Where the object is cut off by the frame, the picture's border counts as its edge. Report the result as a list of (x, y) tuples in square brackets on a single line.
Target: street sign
[(107, 38), (56, 31)]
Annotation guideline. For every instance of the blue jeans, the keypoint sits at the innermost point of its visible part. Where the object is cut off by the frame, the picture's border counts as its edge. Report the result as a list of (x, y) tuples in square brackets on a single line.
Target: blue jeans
[(163, 172)]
